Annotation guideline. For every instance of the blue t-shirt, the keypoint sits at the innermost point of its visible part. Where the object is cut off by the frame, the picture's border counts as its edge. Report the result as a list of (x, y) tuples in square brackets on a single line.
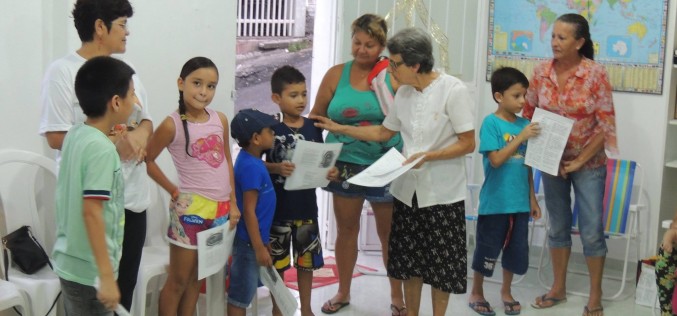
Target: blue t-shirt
[(251, 174), (506, 188), (296, 204)]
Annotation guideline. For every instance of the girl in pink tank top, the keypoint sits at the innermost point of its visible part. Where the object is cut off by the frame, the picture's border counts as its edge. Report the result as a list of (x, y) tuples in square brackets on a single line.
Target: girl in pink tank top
[(197, 139)]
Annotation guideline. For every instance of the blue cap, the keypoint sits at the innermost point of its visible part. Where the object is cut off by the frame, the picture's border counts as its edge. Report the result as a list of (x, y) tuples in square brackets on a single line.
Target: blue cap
[(249, 121)]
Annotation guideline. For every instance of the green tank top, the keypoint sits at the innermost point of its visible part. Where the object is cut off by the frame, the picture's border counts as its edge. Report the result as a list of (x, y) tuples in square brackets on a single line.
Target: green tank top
[(358, 108)]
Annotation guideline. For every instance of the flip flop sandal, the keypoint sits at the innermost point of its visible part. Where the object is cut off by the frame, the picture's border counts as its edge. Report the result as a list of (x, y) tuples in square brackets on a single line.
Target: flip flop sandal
[(510, 308), (475, 306), (331, 308), (402, 311), (587, 311), (544, 298)]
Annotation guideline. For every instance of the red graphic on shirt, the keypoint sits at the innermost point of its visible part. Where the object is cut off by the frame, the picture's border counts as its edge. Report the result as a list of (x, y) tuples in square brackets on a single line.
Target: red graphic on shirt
[(350, 113), (209, 150)]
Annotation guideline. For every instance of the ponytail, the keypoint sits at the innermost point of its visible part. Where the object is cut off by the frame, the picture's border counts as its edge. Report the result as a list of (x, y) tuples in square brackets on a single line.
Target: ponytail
[(184, 121), (587, 51)]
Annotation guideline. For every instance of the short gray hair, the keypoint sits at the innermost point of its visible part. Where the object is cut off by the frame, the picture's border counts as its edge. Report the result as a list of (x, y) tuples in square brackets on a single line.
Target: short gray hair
[(415, 46)]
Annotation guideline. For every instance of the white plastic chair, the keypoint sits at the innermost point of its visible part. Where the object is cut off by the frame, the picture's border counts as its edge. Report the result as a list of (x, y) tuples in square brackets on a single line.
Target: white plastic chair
[(10, 297), (27, 190), (624, 179), (155, 256)]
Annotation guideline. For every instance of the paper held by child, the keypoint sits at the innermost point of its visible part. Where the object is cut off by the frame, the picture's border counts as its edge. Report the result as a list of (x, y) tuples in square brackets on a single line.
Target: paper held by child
[(312, 161), (544, 151)]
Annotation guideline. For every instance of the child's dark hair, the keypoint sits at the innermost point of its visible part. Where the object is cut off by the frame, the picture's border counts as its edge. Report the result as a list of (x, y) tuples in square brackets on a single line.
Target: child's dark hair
[(191, 65), (99, 80), (243, 143), (284, 76), (505, 77), (86, 12)]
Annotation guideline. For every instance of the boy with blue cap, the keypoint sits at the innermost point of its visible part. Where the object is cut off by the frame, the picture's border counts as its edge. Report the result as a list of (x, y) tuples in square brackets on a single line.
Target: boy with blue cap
[(256, 200)]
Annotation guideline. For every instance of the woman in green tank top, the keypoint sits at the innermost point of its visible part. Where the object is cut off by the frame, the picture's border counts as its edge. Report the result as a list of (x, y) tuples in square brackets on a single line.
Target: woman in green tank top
[(345, 97)]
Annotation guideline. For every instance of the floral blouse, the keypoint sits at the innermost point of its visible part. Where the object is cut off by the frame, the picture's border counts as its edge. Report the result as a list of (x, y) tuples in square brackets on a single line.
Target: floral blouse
[(585, 98)]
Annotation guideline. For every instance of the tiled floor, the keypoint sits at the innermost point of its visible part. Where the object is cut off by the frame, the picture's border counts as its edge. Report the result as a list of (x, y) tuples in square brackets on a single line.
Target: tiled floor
[(370, 296)]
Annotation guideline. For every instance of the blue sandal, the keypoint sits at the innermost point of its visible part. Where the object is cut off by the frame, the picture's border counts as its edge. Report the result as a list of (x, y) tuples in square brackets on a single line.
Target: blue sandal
[(510, 307), (475, 306)]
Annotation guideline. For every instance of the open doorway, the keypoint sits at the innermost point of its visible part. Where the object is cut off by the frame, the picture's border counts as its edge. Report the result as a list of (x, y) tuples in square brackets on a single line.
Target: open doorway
[(271, 34), (312, 56)]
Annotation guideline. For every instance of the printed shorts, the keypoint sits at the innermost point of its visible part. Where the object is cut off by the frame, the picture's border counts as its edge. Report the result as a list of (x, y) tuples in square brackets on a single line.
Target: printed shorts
[(192, 213), (304, 236)]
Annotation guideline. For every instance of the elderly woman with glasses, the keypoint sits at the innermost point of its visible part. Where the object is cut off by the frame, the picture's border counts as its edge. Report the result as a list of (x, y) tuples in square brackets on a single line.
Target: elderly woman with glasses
[(434, 114)]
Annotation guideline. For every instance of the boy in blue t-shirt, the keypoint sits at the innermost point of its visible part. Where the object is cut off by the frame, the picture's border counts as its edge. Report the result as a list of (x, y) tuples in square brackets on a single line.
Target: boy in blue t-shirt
[(295, 221), (90, 209), (507, 196), (256, 200)]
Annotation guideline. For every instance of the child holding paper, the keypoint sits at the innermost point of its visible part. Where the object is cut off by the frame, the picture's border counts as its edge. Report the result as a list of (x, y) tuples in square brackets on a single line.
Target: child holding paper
[(295, 220), (507, 197)]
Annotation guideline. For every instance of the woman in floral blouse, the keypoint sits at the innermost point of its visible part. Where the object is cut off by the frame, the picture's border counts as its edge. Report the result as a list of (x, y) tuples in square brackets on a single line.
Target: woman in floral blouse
[(574, 86)]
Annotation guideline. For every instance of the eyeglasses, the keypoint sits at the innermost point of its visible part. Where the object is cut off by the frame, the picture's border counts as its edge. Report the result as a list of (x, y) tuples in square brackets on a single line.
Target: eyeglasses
[(395, 64)]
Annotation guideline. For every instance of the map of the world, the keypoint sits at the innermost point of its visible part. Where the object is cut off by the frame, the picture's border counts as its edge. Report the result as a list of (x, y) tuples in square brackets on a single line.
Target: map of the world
[(628, 36)]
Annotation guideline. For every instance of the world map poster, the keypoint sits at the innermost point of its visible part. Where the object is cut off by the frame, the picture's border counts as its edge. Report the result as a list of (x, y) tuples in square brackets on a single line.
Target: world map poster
[(628, 37)]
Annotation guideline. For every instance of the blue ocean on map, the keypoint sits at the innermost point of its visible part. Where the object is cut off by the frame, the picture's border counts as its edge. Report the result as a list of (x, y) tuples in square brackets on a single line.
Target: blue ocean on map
[(521, 41)]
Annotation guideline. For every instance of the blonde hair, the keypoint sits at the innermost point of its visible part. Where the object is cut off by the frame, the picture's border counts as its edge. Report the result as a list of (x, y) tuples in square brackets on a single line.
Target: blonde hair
[(374, 25)]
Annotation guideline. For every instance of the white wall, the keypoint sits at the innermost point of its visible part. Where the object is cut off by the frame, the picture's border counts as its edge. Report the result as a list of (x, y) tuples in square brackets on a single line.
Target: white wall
[(164, 35)]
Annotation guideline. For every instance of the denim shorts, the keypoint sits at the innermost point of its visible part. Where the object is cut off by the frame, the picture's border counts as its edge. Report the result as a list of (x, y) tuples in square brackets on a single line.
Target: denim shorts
[(244, 274), (345, 189), (492, 237), (80, 300), (588, 187)]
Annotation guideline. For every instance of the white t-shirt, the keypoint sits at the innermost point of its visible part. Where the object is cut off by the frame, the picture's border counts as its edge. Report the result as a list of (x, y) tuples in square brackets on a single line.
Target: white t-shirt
[(61, 111), (430, 120)]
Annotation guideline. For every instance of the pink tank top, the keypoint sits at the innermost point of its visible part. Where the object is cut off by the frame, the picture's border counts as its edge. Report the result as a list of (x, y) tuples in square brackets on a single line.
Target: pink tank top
[(205, 173)]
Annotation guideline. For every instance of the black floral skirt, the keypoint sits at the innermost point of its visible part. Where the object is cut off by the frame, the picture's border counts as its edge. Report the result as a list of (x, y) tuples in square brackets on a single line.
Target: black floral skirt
[(665, 279), (429, 243)]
